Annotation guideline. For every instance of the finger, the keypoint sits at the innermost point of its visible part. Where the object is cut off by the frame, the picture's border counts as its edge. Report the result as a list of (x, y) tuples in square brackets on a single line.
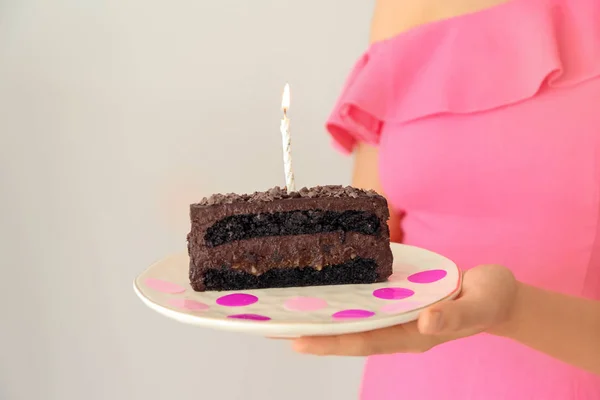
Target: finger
[(356, 344), (396, 339), (321, 345), (466, 313)]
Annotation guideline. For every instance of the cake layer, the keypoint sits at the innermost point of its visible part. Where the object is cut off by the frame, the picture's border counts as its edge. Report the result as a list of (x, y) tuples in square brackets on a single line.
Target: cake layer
[(298, 222), (356, 271)]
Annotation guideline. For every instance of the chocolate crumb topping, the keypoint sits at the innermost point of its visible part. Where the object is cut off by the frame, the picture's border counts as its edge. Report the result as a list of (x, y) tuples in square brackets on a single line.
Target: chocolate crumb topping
[(278, 193)]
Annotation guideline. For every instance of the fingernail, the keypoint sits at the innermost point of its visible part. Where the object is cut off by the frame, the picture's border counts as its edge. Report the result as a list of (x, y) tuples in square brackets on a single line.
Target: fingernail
[(435, 322)]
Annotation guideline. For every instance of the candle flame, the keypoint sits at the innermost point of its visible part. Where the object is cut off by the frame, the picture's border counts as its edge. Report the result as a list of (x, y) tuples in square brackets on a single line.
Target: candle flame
[(285, 101)]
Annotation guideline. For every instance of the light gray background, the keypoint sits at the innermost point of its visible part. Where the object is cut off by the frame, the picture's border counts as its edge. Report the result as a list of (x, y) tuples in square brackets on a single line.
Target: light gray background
[(114, 115)]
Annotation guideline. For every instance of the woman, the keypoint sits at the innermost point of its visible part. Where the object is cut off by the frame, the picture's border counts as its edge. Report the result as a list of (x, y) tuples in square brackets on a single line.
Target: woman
[(479, 120)]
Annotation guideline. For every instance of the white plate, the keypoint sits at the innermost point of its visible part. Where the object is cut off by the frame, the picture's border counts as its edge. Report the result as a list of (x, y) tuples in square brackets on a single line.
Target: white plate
[(420, 279)]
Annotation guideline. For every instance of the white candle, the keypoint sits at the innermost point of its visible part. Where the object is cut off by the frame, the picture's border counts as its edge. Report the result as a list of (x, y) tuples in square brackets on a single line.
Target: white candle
[(287, 144)]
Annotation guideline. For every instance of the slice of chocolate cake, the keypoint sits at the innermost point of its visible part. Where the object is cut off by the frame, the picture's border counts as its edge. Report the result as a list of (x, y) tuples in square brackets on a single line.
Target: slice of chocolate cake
[(329, 235)]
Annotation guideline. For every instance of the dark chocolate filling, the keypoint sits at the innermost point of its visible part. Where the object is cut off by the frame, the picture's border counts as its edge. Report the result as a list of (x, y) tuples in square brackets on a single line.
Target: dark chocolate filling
[(304, 222), (356, 271)]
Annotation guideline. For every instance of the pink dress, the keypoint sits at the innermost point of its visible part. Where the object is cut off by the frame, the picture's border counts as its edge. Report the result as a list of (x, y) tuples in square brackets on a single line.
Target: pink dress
[(488, 127)]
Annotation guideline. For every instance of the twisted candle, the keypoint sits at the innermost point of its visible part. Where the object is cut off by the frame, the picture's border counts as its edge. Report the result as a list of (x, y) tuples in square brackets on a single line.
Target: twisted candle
[(286, 141)]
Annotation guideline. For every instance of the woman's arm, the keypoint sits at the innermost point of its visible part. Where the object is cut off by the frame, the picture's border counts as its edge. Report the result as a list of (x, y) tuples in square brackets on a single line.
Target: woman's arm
[(366, 176), (564, 327)]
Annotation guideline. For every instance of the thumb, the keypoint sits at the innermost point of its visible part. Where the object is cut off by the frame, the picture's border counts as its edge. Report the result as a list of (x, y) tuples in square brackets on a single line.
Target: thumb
[(452, 316)]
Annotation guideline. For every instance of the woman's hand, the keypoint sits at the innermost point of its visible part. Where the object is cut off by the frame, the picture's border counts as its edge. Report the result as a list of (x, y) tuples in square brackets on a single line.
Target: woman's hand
[(484, 305)]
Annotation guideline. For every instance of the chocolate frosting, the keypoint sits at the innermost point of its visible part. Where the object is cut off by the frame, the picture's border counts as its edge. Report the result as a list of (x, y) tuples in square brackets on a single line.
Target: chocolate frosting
[(278, 193)]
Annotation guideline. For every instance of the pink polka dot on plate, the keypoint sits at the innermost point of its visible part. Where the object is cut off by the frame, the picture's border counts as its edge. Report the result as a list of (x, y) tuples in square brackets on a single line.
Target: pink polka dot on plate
[(237, 300), (305, 304), (251, 317), (186, 304), (430, 276), (353, 314), (163, 286), (400, 307), (393, 293)]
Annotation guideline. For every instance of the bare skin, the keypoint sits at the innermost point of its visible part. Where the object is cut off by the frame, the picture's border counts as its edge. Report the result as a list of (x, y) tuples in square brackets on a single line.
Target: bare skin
[(391, 17), (492, 300)]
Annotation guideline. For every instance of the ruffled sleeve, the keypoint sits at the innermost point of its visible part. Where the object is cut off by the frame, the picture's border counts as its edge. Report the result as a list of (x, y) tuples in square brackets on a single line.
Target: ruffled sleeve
[(469, 64)]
